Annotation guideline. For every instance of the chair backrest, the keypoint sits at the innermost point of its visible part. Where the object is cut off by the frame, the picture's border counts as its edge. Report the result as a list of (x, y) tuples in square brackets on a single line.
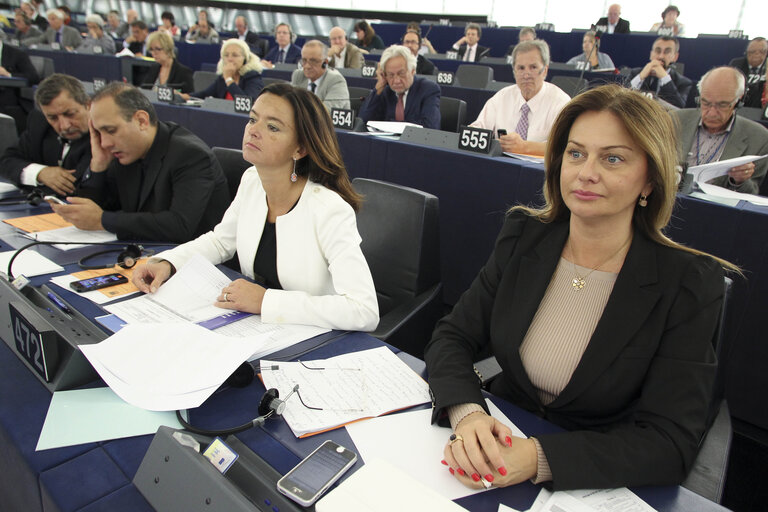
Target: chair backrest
[(571, 85), (218, 105), (202, 79), (497, 86), (473, 75), (356, 97), (286, 66), (43, 65), (399, 227), (353, 72), (453, 114), (8, 134), (753, 113), (679, 67), (272, 80), (233, 165)]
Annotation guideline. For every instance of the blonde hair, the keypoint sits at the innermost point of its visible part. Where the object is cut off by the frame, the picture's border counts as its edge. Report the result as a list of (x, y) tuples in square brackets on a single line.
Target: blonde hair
[(252, 61), (652, 129), (164, 41)]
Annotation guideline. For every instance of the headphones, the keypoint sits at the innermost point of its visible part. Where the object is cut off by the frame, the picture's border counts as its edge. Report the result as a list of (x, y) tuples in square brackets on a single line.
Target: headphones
[(127, 257), (33, 197), (290, 30), (742, 83), (410, 31)]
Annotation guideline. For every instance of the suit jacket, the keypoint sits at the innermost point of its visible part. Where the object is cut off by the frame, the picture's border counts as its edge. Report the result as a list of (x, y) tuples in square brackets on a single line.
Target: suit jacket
[(755, 82), (33, 33), (292, 55), (746, 138), (422, 105), (353, 59), (332, 91), (177, 192), (180, 74), (18, 64), (250, 85), (424, 66), (40, 144), (636, 405), (482, 51), (70, 37), (674, 92), (324, 276), (622, 26), (256, 44)]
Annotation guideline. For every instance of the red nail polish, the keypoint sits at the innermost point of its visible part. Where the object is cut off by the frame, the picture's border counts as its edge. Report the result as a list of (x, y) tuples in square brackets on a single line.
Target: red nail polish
[(460, 471), (443, 462), (489, 477), (509, 441), (503, 471), (475, 477), (451, 470)]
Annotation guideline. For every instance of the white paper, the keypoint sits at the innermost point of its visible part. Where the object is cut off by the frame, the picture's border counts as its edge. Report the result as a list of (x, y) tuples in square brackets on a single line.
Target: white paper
[(526, 158), (72, 234), (715, 191), (268, 338), (381, 487), (590, 500), (8, 187), (165, 367), (189, 295), (347, 387), (91, 415), (706, 172), (396, 127), (419, 447), (29, 263)]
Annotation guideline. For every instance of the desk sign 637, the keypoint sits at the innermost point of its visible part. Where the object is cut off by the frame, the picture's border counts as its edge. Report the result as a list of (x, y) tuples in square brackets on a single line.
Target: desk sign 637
[(36, 346)]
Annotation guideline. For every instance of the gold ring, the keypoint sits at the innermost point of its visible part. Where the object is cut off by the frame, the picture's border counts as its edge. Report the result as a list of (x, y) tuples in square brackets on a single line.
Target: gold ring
[(454, 438), (226, 297)]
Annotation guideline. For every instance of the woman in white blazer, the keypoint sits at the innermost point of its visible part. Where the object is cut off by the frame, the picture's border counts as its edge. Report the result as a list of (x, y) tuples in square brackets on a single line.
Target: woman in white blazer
[(292, 224)]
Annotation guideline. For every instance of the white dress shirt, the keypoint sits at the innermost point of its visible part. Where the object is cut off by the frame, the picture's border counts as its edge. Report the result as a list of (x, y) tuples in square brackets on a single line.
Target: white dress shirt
[(503, 111)]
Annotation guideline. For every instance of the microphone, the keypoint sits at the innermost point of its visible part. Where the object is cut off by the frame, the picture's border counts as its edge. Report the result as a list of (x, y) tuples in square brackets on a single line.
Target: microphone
[(589, 57)]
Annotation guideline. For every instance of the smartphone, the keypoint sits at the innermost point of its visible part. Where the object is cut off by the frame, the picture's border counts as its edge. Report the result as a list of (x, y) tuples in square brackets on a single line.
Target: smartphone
[(305, 483), (95, 283), (54, 199), (500, 132)]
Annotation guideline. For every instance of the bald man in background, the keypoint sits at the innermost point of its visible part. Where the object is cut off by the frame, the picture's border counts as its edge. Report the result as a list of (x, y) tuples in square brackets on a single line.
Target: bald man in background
[(342, 53)]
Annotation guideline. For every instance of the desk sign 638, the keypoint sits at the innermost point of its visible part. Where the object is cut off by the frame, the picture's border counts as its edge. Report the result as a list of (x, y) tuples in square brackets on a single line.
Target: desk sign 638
[(475, 139), (445, 78)]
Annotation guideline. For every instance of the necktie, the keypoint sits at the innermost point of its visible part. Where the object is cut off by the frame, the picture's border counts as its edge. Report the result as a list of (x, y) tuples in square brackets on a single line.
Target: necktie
[(467, 53), (400, 108), (313, 86), (281, 57), (522, 125), (58, 37)]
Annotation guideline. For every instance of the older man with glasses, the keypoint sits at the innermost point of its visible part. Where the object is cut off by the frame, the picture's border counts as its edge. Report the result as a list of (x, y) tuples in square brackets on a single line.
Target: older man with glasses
[(327, 84), (716, 132)]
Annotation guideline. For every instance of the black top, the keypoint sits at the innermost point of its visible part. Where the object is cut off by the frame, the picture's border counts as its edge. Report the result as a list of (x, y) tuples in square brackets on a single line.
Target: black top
[(265, 262)]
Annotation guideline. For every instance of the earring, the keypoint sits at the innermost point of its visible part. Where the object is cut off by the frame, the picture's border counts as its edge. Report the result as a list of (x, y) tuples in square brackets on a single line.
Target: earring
[(643, 202), (293, 174)]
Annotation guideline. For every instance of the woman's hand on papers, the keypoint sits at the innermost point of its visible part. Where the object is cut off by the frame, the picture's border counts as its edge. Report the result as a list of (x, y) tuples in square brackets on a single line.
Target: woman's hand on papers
[(485, 449), (151, 275), (242, 295)]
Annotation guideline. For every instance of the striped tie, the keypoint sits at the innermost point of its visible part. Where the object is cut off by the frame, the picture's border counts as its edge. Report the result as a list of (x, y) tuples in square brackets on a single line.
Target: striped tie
[(522, 125)]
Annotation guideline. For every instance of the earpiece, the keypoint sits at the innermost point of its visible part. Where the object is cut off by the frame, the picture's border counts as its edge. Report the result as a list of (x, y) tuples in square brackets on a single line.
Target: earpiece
[(126, 258), (325, 64)]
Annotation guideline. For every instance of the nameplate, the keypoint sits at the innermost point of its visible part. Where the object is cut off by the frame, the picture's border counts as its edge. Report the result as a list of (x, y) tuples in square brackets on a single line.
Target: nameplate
[(36, 346), (243, 104), (55, 46), (368, 71), (445, 78), (343, 118), (164, 94), (452, 55), (475, 139), (98, 84), (736, 34), (97, 49)]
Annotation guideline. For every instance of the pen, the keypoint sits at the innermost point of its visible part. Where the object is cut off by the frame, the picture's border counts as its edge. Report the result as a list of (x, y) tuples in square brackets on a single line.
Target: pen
[(59, 303)]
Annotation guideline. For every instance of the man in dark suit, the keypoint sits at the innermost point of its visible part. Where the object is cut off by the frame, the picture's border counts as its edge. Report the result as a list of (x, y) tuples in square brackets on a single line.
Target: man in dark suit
[(148, 180), (612, 24), (659, 78), (251, 38), (15, 63), (137, 42), (399, 94), (752, 64), (285, 51), (714, 132), (54, 151), (412, 41), (467, 47)]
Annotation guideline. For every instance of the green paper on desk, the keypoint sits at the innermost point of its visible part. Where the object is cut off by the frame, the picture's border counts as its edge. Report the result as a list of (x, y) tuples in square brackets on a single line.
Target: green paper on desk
[(90, 415)]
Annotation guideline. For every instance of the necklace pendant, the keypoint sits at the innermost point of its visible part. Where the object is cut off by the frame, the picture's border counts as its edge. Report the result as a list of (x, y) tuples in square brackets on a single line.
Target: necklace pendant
[(578, 283)]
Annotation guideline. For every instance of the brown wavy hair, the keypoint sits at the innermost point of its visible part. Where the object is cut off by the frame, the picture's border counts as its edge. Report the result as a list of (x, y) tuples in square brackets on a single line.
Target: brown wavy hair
[(323, 162)]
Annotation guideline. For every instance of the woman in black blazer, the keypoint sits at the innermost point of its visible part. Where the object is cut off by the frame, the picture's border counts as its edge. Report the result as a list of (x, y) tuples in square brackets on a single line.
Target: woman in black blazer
[(600, 323), (170, 71), (239, 72)]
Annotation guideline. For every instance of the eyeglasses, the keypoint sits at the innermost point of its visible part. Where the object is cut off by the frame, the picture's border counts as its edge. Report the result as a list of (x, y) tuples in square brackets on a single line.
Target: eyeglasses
[(155, 49), (720, 105), (757, 52), (400, 74), (314, 62)]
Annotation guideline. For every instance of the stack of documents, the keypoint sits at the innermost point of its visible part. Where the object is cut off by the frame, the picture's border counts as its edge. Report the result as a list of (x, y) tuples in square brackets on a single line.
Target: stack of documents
[(51, 227), (345, 388)]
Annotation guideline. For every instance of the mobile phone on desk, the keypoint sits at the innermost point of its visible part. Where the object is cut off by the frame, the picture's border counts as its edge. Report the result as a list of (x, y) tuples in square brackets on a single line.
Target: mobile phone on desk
[(305, 483), (96, 283), (54, 199), (500, 132)]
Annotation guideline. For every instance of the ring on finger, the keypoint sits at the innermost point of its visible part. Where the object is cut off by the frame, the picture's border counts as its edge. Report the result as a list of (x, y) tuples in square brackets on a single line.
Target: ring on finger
[(226, 297), (454, 438), (486, 483)]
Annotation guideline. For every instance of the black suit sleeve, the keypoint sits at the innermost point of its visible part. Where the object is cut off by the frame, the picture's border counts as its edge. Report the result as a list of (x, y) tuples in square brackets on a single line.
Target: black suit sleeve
[(676, 91)]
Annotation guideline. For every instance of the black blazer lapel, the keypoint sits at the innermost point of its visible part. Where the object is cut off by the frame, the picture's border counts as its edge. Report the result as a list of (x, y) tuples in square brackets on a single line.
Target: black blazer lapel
[(154, 163), (629, 305)]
